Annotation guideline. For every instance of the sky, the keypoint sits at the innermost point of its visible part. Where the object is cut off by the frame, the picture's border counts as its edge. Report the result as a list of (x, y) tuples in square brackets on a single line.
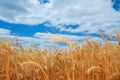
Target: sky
[(34, 21)]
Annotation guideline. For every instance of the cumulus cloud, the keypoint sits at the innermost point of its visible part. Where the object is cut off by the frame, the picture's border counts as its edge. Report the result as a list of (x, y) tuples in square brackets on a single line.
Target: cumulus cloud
[(42, 40), (22, 11), (4, 31), (91, 16), (72, 38)]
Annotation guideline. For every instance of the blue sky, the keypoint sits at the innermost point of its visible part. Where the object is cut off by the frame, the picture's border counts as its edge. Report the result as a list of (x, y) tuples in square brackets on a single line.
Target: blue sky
[(34, 21)]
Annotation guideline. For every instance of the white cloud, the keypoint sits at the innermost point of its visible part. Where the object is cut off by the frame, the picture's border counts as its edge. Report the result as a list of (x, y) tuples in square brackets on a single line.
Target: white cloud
[(43, 40), (72, 38), (4, 31), (92, 16), (22, 11)]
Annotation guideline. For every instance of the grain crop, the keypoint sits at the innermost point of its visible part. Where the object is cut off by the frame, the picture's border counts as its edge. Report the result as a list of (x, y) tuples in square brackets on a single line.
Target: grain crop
[(91, 61)]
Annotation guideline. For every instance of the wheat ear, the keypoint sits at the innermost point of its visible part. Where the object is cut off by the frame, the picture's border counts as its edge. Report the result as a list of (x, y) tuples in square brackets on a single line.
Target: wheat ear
[(36, 64), (92, 71), (115, 76), (68, 42)]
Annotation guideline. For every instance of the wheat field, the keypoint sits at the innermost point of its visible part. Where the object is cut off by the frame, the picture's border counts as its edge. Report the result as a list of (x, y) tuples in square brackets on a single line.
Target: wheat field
[(89, 62)]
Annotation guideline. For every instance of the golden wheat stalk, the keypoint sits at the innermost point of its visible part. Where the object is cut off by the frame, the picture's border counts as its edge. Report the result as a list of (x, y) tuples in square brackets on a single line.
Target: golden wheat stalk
[(68, 42), (92, 71), (36, 64), (115, 76), (118, 37)]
